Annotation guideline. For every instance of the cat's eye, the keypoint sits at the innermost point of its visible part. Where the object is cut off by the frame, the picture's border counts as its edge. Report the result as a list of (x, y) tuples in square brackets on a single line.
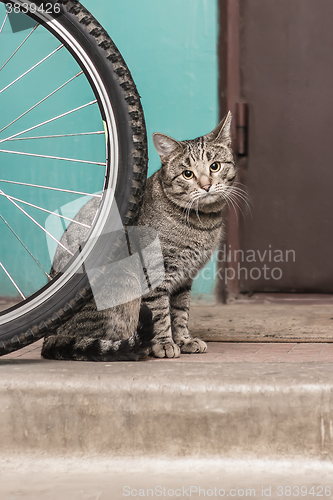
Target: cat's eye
[(215, 167), (188, 174)]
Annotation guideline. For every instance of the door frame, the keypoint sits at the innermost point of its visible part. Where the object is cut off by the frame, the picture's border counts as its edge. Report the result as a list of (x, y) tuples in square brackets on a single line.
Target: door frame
[(229, 96), (229, 89)]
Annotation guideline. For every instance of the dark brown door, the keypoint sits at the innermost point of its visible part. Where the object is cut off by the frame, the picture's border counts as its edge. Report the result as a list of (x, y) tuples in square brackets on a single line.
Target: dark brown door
[(286, 78)]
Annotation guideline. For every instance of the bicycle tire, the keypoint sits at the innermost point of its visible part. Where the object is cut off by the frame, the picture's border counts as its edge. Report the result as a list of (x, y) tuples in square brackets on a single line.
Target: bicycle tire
[(45, 310)]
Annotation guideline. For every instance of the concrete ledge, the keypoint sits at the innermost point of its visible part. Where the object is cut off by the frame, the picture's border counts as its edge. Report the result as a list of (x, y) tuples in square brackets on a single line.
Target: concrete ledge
[(250, 321), (98, 479), (183, 409)]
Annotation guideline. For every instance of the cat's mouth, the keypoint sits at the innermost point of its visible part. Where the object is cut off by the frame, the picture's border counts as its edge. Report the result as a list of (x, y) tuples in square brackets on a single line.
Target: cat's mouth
[(210, 197)]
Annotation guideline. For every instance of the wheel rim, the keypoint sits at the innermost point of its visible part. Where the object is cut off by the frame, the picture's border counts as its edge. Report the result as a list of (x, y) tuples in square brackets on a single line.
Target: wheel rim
[(104, 188)]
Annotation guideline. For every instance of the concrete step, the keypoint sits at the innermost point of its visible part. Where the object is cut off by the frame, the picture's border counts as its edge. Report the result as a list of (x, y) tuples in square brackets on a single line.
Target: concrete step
[(165, 428), (27, 478), (251, 419), (167, 409)]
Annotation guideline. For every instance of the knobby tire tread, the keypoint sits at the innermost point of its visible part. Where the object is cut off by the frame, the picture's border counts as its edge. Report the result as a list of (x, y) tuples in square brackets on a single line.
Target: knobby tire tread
[(136, 121)]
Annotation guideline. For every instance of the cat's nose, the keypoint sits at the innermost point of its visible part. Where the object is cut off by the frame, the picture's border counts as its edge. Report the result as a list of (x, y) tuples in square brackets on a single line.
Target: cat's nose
[(204, 183)]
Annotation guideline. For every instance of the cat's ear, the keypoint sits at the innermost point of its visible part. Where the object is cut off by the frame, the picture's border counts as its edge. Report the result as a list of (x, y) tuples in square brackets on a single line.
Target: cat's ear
[(222, 133), (165, 145)]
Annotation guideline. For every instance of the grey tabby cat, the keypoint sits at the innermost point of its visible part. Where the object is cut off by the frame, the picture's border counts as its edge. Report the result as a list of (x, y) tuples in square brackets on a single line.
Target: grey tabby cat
[(184, 202)]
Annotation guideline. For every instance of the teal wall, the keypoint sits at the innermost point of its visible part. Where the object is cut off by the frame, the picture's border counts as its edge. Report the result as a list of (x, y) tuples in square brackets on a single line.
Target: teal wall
[(17, 99), (170, 48)]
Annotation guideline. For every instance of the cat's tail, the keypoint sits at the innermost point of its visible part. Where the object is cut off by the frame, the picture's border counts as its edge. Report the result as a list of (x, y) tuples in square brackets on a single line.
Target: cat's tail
[(92, 349)]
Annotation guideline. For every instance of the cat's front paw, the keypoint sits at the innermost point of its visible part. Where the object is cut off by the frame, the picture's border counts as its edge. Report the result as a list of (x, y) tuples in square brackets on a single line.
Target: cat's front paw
[(165, 350), (194, 346)]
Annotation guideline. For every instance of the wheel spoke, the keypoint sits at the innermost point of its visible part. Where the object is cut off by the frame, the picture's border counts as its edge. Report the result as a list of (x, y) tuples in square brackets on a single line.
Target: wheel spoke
[(49, 121), (37, 223), (11, 279), (52, 188), (27, 249), (56, 136), (4, 22), (54, 157), (45, 210), (13, 54), (33, 67), (42, 100)]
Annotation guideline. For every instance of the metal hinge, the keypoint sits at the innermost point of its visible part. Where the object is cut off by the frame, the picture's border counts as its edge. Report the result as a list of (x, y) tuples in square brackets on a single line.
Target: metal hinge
[(241, 128)]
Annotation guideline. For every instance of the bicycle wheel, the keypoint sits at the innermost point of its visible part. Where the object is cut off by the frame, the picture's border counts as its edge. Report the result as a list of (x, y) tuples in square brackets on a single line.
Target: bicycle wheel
[(71, 130)]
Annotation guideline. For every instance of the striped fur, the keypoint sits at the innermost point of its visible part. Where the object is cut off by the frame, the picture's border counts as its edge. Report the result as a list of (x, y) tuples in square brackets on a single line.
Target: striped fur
[(67, 343), (188, 216)]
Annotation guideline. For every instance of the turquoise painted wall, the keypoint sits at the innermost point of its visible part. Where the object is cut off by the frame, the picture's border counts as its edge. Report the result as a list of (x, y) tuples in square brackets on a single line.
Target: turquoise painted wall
[(170, 48), (15, 100)]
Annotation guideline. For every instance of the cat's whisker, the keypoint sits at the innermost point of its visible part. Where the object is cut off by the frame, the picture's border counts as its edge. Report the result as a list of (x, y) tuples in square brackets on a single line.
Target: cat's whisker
[(237, 204), (197, 210), (238, 188), (239, 184), (187, 210), (186, 206), (239, 196), (187, 214), (241, 187), (195, 197), (241, 192), (231, 197), (226, 197), (244, 196)]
